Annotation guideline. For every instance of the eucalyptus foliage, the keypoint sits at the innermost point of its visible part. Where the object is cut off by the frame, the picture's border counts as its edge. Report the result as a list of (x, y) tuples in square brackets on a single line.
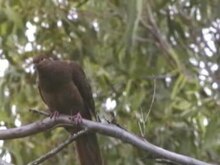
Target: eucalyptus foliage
[(153, 67)]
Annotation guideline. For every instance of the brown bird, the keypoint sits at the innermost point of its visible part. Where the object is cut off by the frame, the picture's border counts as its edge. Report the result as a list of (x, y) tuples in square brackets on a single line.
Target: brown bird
[(64, 89)]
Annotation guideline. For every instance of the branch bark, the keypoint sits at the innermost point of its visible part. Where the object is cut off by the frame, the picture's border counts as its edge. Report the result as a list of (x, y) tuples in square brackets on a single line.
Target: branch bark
[(105, 129), (59, 148)]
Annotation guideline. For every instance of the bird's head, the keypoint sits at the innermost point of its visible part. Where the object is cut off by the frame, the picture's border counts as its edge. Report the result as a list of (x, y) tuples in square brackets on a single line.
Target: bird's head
[(52, 70), (43, 60)]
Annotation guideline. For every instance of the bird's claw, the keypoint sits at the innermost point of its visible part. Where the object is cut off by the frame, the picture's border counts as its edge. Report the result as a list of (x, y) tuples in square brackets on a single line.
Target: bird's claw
[(54, 114), (77, 118)]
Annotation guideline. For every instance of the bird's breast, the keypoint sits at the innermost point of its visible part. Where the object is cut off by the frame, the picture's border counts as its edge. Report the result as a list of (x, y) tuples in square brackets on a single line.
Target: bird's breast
[(65, 99)]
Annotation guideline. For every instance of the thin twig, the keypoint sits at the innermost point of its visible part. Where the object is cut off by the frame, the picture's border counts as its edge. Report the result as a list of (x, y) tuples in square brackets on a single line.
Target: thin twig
[(58, 148), (143, 124), (158, 77), (152, 101), (39, 112)]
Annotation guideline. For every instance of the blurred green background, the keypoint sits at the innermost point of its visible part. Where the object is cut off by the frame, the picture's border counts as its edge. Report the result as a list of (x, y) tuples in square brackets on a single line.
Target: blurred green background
[(153, 64)]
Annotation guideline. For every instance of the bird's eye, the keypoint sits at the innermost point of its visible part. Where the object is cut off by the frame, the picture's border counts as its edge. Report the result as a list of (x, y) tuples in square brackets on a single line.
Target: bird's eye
[(41, 59)]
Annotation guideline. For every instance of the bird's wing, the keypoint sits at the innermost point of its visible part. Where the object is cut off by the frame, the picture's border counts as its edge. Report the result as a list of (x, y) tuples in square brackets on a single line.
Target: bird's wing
[(81, 82), (41, 95)]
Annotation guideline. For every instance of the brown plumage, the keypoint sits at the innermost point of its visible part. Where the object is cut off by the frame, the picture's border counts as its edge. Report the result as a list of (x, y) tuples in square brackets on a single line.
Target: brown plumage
[(64, 88)]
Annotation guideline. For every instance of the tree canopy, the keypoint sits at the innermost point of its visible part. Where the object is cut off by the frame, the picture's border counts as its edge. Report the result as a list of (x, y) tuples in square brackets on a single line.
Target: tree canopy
[(152, 65)]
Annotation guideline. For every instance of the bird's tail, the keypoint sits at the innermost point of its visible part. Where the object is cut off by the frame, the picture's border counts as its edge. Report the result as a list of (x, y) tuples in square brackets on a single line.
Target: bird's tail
[(88, 150)]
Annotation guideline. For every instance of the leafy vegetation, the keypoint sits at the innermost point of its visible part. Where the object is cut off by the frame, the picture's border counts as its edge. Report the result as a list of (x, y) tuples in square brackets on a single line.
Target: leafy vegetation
[(154, 62)]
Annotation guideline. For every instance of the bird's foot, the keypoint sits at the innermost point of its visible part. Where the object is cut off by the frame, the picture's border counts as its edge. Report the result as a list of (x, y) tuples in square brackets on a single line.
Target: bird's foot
[(54, 114), (77, 118)]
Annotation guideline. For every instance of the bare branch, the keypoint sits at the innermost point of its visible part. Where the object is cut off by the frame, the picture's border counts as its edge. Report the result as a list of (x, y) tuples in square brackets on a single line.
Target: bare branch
[(39, 112), (58, 149), (105, 129)]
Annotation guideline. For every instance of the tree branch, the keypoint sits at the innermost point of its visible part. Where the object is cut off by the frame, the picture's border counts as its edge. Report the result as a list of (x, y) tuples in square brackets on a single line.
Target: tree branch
[(59, 148), (105, 129)]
